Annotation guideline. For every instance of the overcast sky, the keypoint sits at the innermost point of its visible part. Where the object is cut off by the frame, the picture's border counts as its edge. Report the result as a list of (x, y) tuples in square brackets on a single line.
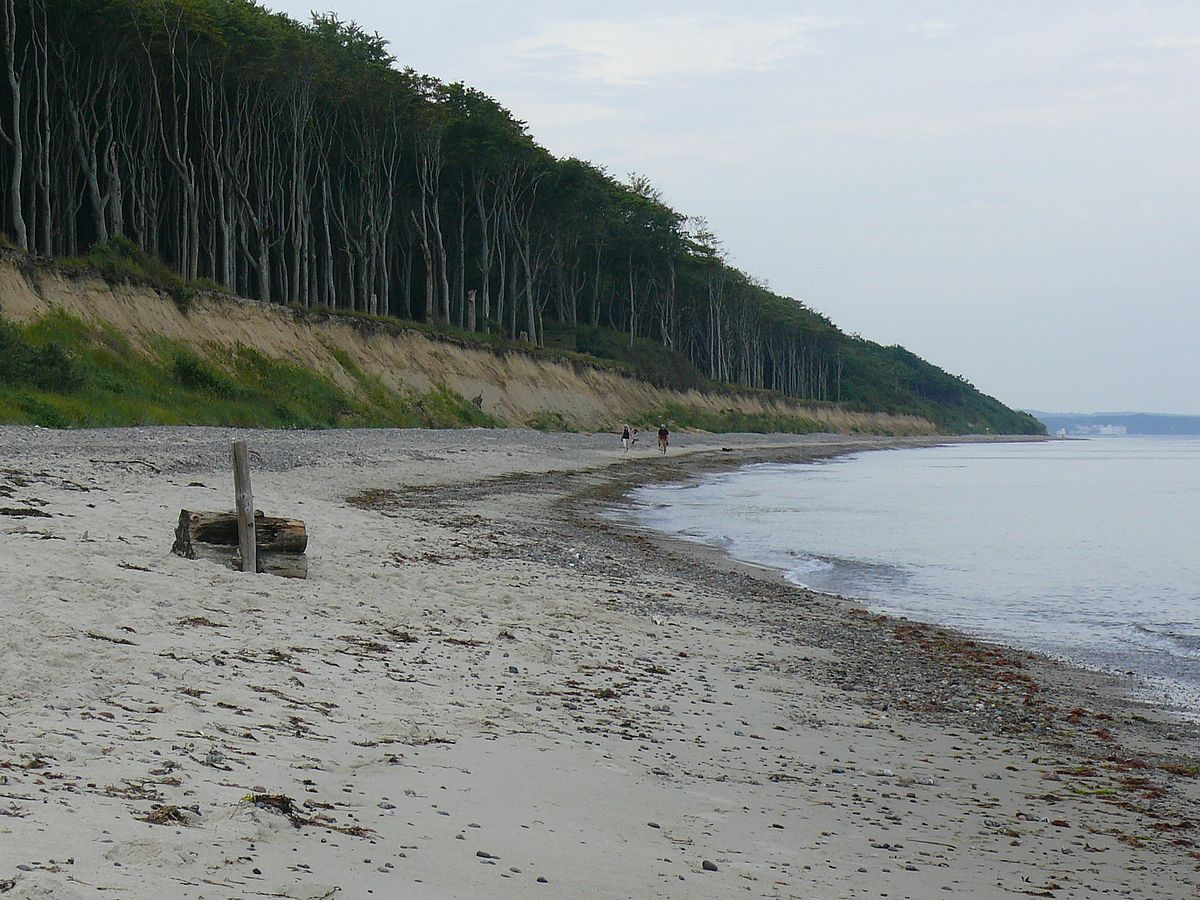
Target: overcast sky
[(1010, 189)]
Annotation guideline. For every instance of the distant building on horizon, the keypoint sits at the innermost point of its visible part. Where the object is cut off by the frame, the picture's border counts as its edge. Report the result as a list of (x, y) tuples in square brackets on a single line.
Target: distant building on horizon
[(1118, 424)]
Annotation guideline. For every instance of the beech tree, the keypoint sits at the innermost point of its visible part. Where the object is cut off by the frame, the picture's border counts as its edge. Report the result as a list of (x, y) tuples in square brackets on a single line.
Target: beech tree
[(297, 163)]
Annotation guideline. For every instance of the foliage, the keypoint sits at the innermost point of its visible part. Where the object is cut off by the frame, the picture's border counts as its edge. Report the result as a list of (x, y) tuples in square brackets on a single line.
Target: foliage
[(109, 383), (192, 372), (892, 379), (644, 358), (548, 420), (678, 416), (214, 144), (121, 260), (25, 362)]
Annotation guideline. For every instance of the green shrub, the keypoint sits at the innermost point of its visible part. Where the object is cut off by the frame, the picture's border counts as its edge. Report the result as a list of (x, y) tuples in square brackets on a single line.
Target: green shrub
[(646, 359), (444, 408), (548, 420), (120, 259), (46, 366), (190, 371), (676, 416), (39, 412)]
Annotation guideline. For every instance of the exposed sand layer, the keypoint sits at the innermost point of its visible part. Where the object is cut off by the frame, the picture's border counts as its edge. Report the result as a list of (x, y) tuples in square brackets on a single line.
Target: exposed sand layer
[(483, 691), (516, 387)]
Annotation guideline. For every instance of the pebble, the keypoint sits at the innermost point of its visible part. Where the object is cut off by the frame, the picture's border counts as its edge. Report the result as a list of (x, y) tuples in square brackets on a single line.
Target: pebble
[(542, 880), (708, 866), (483, 854), (654, 825), (383, 804)]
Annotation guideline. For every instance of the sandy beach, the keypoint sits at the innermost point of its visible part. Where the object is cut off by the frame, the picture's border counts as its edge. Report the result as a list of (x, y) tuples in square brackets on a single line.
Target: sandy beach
[(485, 689)]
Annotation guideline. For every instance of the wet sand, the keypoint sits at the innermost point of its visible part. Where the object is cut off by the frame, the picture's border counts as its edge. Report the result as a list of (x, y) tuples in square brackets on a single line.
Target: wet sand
[(486, 690)]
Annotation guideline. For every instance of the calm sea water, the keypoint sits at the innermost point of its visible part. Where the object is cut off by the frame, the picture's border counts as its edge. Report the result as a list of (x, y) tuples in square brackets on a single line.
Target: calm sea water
[(1087, 550)]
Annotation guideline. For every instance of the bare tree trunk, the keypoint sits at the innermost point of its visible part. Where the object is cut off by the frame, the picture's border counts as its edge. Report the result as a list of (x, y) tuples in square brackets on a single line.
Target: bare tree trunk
[(531, 314), (502, 259), (41, 64), (440, 248), (461, 274), (14, 136)]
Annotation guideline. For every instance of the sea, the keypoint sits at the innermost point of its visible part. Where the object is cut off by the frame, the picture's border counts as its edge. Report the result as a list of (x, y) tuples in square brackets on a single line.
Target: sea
[(1086, 550)]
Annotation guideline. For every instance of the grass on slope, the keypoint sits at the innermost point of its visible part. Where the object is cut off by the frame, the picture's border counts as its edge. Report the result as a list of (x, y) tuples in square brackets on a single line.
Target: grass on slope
[(61, 372), (677, 416)]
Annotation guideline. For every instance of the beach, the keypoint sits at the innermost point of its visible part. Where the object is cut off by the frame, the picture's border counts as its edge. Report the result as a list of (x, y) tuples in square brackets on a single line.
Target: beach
[(487, 689)]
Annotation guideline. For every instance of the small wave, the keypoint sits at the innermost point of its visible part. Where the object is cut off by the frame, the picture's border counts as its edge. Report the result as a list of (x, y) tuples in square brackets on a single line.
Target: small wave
[(837, 574), (803, 570), (808, 565), (1165, 637)]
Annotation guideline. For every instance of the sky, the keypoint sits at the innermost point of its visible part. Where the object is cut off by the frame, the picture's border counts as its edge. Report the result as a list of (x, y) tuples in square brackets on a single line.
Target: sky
[(1011, 190)]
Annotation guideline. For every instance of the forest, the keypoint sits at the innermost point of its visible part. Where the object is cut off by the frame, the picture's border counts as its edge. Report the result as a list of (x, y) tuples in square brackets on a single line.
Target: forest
[(301, 164)]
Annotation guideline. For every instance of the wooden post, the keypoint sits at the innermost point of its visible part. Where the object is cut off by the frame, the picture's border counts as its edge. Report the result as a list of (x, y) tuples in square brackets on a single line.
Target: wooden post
[(245, 507)]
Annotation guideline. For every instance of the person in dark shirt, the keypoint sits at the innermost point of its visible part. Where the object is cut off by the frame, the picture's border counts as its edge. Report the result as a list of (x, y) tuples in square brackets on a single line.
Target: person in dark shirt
[(663, 437)]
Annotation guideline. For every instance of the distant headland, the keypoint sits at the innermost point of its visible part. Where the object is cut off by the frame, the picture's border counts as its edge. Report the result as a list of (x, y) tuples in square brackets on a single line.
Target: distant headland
[(1117, 423)]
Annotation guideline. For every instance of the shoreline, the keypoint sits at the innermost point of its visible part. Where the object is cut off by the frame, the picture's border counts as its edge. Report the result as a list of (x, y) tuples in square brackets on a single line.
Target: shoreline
[(1131, 688), (1117, 687), (484, 691)]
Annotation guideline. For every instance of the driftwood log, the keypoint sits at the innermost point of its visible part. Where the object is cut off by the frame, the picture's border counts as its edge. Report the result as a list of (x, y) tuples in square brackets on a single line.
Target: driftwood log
[(279, 543)]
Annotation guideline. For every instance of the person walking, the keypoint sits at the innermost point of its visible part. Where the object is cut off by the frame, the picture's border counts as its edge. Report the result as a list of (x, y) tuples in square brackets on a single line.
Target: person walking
[(664, 437), (626, 437)]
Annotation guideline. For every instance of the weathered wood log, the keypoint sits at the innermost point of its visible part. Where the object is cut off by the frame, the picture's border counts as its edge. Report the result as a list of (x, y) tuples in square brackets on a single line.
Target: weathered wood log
[(280, 543), (271, 534), (286, 565)]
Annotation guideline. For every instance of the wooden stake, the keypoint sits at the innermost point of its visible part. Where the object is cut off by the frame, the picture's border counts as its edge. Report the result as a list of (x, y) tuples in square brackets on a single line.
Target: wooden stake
[(245, 507)]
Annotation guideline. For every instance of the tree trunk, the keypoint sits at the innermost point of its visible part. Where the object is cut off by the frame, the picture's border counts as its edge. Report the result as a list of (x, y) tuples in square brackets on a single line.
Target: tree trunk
[(15, 137)]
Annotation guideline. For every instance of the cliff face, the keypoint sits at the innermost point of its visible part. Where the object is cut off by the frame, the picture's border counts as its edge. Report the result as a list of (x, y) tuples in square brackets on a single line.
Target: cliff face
[(517, 387)]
